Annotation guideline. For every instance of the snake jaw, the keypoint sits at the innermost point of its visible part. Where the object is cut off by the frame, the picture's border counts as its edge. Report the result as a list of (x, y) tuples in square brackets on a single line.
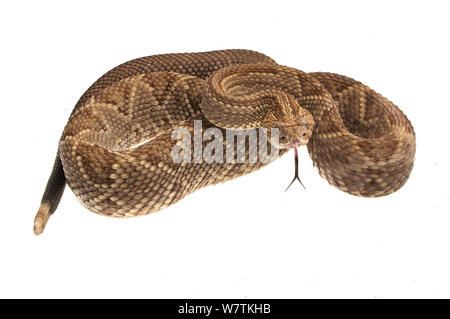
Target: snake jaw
[(297, 131)]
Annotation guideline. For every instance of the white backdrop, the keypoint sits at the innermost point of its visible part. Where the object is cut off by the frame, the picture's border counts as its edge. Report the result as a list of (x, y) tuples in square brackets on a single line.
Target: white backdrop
[(244, 238)]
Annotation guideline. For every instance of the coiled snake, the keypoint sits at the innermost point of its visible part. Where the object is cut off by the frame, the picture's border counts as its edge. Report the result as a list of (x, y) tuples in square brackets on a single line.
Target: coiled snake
[(115, 151)]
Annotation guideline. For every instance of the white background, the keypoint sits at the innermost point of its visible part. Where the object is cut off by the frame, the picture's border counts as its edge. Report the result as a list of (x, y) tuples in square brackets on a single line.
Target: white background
[(244, 238)]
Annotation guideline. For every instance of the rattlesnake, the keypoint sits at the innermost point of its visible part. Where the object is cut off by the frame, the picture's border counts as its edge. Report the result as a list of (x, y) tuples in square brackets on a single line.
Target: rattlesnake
[(115, 151)]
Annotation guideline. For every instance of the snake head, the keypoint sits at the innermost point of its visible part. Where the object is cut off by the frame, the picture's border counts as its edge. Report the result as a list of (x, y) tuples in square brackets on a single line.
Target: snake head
[(297, 130)]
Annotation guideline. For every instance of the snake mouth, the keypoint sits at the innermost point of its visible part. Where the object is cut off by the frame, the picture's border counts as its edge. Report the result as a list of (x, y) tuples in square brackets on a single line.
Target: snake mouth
[(296, 133), (285, 142), (297, 140)]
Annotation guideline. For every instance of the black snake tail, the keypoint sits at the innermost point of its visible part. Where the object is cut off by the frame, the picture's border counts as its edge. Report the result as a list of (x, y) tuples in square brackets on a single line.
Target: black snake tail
[(52, 195)]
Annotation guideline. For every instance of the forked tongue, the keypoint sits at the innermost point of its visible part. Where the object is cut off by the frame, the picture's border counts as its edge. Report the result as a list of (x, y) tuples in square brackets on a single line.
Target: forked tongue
[(296, 168)]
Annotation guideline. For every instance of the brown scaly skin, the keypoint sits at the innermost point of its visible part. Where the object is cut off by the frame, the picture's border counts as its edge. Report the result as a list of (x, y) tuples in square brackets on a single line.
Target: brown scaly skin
[(359, 141), (364, 144)]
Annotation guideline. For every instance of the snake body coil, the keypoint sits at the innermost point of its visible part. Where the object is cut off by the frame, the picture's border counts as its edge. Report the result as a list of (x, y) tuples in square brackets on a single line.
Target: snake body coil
[(115, 151)]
